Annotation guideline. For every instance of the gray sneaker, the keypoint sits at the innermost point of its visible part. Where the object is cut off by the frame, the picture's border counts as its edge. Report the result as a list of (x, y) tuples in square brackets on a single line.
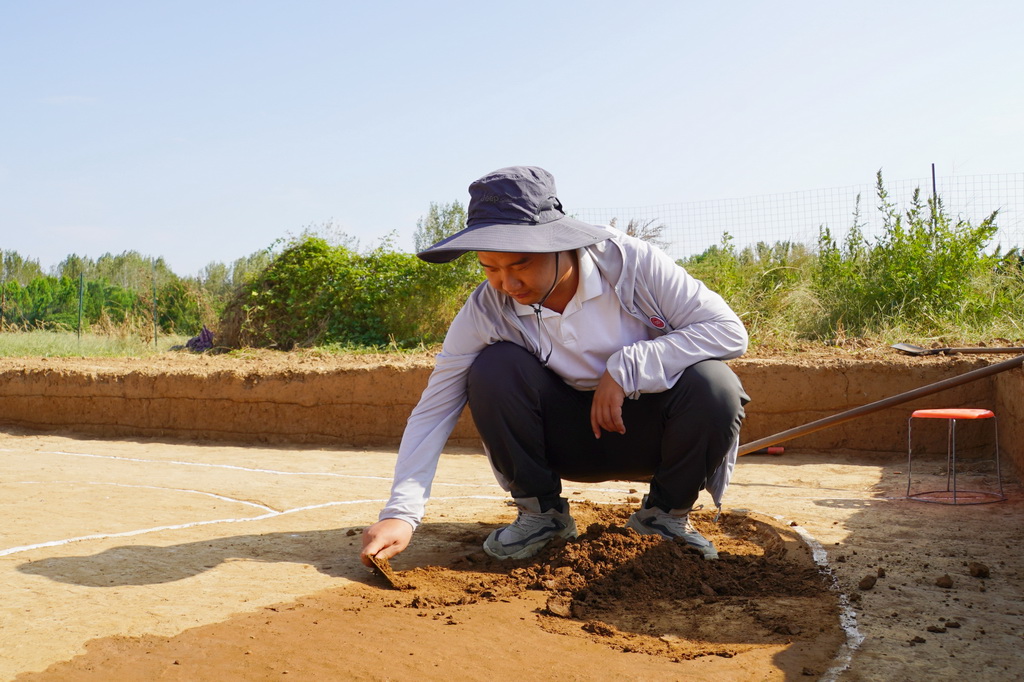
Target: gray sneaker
[(531, 530), (671, 525)]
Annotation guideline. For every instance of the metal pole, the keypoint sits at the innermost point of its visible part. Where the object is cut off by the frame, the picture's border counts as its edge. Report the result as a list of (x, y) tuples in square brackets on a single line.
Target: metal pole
[(153, 261), (846, 416), (81, 300)]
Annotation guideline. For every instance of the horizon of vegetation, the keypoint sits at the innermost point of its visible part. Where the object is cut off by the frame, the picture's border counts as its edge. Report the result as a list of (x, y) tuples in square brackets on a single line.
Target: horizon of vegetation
[(928, 276)]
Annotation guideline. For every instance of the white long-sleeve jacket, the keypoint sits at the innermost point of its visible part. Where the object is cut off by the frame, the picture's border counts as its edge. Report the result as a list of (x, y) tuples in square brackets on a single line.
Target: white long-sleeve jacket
[(695, 324)]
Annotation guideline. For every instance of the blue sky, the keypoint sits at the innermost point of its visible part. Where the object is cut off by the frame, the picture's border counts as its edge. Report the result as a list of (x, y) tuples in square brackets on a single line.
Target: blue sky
[(204, 131)]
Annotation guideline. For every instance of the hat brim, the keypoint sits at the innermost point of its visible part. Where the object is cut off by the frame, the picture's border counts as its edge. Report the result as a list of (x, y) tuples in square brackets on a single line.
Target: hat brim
[(564, 234)]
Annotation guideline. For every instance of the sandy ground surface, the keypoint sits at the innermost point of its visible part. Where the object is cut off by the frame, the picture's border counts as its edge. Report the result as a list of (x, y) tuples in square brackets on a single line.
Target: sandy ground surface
[(143, 560)]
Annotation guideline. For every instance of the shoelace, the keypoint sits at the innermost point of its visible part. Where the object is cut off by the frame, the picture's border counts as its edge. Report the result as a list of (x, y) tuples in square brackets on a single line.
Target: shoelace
[(678, 524), (528, 522)]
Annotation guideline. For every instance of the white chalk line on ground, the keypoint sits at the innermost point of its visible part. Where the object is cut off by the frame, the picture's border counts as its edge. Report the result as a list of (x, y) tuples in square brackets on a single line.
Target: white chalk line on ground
[(271, 513), (847, 617), (195, 524), (234, 467), (277, 472), (151, 487)]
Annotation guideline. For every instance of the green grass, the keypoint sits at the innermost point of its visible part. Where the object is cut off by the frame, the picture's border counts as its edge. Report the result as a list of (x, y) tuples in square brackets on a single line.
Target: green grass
[(55, 344)]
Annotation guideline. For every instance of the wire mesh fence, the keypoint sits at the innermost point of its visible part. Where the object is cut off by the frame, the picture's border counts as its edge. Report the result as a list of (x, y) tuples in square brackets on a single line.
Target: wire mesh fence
[(164, 306), (797, 217)]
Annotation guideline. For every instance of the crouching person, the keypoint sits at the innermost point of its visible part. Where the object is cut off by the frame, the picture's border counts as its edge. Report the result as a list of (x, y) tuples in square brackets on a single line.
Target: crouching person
[(588, 355)]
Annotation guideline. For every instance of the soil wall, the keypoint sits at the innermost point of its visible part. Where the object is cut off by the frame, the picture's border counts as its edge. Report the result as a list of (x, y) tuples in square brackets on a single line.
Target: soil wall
[(1010, 412), (364, 401)]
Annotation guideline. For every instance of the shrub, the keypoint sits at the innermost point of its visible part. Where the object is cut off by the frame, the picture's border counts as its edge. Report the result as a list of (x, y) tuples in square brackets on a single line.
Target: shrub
[(314, 293), (926, 275), (763, 283), (924, 268)]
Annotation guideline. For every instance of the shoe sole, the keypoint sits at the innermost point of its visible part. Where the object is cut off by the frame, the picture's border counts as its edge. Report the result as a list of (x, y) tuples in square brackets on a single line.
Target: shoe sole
[(527, 551), (709, 553)]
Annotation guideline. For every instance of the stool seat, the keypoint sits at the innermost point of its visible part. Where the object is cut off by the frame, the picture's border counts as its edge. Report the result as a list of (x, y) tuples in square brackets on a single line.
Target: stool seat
[(954, 413), (953, 494)]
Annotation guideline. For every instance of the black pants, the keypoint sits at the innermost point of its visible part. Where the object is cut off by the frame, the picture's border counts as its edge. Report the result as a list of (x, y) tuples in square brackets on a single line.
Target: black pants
[(537, 429)]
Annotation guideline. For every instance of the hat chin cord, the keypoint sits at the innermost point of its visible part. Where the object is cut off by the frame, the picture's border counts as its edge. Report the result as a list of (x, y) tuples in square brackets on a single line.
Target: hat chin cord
[(537, 307)]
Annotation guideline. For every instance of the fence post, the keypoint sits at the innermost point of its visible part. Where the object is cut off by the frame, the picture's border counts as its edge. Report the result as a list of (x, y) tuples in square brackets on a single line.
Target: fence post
[(81, 300), (153, 261)]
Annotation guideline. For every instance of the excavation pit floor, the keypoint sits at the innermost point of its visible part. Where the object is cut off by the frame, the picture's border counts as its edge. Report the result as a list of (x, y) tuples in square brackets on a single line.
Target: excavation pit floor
[(140, 559)]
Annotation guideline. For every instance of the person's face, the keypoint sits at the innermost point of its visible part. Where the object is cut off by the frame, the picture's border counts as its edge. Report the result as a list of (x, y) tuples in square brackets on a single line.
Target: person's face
[(526, 277)]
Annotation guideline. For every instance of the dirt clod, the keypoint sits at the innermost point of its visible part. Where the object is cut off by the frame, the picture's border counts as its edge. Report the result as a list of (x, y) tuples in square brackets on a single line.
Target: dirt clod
[(867, 582), (978, 570), (560, 606), (598, 628), (944, 581)]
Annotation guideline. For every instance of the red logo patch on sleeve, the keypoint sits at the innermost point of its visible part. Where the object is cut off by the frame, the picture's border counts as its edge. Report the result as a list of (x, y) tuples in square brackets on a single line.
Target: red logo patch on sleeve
[(657, 322)]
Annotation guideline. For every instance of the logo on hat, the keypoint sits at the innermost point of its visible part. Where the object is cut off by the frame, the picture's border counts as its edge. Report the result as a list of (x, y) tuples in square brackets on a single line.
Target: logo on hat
[(657, 322)]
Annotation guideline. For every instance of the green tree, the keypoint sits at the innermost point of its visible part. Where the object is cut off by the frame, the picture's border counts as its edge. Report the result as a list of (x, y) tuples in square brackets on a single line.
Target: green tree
[(15, 268), (442, 220), (74, 266), (132, 270), (215, 278), (248, 267), (456, 278)]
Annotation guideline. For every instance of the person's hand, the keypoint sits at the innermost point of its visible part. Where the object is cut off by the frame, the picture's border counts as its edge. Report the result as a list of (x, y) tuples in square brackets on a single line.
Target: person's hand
[(606, 410), (385, 539)]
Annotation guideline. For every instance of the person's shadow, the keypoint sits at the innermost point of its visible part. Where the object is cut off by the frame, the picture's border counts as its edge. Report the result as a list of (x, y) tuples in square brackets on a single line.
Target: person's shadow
[(333, 552)]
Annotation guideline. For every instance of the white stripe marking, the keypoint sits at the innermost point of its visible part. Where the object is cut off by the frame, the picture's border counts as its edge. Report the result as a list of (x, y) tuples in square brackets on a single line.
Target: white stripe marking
[(234, 467), (152, 487), (195, 524)]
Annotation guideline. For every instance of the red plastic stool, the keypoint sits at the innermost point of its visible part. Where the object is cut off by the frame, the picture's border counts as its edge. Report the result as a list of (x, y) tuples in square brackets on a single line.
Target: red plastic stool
[(951, 495)]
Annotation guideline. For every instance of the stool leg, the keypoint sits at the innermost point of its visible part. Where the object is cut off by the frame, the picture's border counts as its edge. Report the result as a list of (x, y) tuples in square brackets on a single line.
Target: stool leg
[(910, 430), (952, 451), (949, 451), (999, 474)]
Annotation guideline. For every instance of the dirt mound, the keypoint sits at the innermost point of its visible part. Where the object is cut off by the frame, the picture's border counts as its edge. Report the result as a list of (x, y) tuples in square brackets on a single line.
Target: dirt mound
[(644, 594)]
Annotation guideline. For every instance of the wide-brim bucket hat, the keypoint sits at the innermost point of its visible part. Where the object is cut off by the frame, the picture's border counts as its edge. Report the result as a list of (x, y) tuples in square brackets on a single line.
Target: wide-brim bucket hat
[(515, 210)]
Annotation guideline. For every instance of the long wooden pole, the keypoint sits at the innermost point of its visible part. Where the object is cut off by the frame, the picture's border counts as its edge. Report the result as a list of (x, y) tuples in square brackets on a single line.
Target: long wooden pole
[(846, 416)]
